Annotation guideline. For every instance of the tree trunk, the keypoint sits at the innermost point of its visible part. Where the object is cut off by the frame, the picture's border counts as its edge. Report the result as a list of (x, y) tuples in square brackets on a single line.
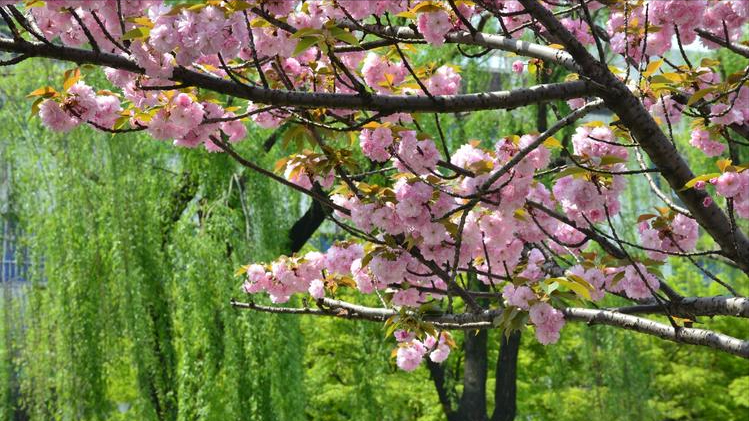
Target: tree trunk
[(472, 405), (505, 391)]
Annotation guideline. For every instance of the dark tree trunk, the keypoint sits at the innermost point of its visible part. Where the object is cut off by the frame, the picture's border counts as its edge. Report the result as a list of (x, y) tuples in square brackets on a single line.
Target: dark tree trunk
[(305, 226), (437, 373), (505, 391), (472, 405)]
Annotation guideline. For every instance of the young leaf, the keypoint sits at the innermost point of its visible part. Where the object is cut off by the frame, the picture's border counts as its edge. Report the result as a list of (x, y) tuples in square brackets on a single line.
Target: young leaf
[(653, 67), (136, 33), (303, 45), (695, 180), (699, 95)]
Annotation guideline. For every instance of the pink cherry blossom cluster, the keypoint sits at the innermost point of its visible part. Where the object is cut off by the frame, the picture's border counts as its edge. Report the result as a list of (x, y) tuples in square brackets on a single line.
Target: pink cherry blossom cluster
[(548, 322), (78, 105), (411, 351), (702, 140), (735, 109), (668, 16), (734, 185), (678, 236), (633, 280)]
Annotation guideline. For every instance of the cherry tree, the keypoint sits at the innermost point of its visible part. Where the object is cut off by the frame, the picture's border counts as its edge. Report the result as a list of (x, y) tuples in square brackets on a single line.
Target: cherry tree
[(498, 234)]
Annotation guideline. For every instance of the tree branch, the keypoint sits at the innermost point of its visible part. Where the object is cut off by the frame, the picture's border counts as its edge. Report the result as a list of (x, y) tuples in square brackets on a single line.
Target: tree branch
[(383, 103), (736, 48), (495, 42), (686, 335), (693, 306)]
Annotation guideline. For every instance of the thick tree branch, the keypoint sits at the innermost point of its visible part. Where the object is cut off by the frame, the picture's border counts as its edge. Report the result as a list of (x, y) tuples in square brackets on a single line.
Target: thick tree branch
[(306, 226), (686, 335), (495, 42), (694, 306), (383, 103), (472, 405)]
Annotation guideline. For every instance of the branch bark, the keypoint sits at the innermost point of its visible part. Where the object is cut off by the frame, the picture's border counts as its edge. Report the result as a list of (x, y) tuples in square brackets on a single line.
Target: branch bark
[(481, 39), (736, 48), (382, 103), (694, 306), (686, 335)]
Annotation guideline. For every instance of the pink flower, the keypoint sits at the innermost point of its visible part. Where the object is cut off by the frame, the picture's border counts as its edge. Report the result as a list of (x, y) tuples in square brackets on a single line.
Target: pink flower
[(548, 321), (637, 283), (434, 26), (729, 184), (235, 129), (81, 102), (55, 118), (444, 81), (440, 354), (701, 139), (257, 279), (107, 110), (409, 356), (707, 201), (441, 350), (518, 296), (417, 156), (375, 143), (380, 74), (518, 66), (339, 258), (406, 297), (403, 335), (726, 114), (317, 289), (579, 29)]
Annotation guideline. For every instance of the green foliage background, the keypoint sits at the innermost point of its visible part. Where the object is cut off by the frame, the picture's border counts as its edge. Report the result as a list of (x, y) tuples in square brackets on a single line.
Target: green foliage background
[(134, 244)]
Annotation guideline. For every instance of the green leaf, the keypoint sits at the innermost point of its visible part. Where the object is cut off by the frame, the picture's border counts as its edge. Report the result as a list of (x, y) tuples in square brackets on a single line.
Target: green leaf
[(552, 143), (611, 159), (578, 287), (308, 32), (136, 33), (304, 44), (699, 95), (646, 216), (570, 171), (71, 78), (35, 107), (45, 92), (426, 7), (345, 36), (723, 164), (121, 122)]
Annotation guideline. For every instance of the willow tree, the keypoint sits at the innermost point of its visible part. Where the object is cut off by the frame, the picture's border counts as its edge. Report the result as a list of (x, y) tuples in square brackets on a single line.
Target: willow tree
[(493, 234), (114, 316)]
